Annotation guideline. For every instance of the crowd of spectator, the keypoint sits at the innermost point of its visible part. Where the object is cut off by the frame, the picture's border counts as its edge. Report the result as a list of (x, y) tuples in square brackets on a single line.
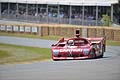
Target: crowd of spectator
[(43, 13), (52, 14)]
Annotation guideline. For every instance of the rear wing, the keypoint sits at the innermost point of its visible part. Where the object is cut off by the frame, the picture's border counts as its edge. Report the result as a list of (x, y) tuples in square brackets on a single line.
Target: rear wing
[(99, 40)]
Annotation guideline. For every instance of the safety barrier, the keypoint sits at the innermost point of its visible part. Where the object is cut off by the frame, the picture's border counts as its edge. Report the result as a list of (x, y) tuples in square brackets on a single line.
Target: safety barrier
[(111, 33)]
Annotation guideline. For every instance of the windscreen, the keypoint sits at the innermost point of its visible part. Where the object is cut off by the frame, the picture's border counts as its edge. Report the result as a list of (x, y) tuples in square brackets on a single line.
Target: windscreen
[(77, 42)]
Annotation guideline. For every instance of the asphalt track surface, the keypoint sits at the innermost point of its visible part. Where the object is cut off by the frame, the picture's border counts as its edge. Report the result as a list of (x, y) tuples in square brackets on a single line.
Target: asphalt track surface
[(27, 41), (107, 68)]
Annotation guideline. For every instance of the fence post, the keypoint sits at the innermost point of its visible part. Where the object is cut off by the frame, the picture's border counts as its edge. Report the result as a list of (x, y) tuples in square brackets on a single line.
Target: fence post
[(112, 13), (8, 10), (96, 15), (26, 11), (0, 10), (37, 20), (17, 13), (70, 14), (83, 8), (47, 13), (58, 13)]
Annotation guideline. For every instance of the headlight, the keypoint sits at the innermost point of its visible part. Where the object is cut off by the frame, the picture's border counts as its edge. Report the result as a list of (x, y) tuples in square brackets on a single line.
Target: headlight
[(55, 52), (86, 51)]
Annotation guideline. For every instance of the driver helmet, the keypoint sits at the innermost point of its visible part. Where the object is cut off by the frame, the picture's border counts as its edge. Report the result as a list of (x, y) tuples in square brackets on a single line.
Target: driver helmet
[(70, 42)]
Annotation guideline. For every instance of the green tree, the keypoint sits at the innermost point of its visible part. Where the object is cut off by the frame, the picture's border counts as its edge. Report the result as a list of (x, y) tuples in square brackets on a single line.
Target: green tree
[(106, 20)]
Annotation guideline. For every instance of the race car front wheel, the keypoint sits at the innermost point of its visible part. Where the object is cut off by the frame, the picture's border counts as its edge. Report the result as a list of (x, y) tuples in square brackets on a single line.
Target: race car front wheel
[(93, 54)]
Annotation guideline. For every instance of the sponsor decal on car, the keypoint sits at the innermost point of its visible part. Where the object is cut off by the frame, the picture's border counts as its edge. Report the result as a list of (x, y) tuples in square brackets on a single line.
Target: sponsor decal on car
[(70, 50)]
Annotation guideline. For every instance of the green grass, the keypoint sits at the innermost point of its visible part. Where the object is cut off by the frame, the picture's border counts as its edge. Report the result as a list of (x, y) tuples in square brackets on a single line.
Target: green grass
[(15, 54), (113, 43), (27, 35), (4, 54)]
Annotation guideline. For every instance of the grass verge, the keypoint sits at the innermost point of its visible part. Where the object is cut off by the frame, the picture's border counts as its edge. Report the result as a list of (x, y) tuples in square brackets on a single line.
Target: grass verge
[(4, 54), (113, 43), (14, 54)]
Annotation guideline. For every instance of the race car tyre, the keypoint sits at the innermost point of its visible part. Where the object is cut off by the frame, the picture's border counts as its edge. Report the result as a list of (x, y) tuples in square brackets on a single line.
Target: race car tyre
[(55, 59), (93, 54), (102, 52)]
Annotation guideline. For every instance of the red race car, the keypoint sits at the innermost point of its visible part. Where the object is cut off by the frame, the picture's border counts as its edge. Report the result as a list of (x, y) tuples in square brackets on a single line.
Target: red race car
[(78, 48)]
